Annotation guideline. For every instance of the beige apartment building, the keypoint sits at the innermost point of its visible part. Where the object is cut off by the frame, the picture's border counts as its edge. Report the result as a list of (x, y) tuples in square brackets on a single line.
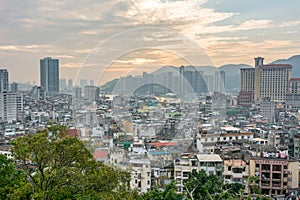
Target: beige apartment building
[(277, 176), (265, 80)]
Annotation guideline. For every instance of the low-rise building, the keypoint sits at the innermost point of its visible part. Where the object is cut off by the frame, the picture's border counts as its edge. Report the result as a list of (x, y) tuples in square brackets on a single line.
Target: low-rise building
[(277, 176), (140, 174), (187, 162)]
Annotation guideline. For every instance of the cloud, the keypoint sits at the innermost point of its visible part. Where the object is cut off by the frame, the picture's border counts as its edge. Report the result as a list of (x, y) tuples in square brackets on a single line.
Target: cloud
[(185, 31), (25, 48), (135, 61), (290, 23)]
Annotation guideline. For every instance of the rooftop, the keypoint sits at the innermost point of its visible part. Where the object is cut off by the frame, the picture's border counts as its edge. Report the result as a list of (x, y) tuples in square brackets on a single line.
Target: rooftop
[(209, 158), (277, 65)]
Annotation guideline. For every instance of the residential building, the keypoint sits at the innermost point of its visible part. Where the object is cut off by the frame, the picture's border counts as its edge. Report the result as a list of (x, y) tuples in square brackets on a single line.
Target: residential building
[(162, 176), (235, 171), (265, 80), (77, 93), (14, 87), (187, 162), (219, 81), (49, 75), (247, 86), (267, 109), (62, 84), (4, 87), (297, 147), (293, 95), (140, 174), (271, 80), (83, 83), (91, 93), (70, 84), (277, 176), (207, 139), (11, 106)]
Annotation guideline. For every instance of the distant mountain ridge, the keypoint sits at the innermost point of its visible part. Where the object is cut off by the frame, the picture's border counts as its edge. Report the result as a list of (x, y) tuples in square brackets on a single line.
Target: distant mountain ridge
[(232, 71), (294, 61)]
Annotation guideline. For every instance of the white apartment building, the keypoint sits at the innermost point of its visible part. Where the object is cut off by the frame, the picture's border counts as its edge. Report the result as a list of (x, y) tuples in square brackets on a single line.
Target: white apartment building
[(187, 162), (11, 106), (140, 174), (207, 139)]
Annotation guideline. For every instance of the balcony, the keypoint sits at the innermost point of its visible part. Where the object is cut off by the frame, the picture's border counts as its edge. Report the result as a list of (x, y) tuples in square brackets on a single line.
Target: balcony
[(276, 185), (265, 184)]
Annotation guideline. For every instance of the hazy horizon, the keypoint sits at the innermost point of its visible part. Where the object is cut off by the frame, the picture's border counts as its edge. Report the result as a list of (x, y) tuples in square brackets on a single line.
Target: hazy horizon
[(106, 40)]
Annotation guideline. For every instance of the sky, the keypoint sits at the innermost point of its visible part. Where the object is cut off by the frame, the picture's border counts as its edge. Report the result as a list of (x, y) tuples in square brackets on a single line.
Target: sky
[(102, 40)]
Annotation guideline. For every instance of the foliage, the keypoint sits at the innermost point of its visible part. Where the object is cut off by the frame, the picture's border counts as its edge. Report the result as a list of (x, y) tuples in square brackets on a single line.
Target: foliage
[(13, 184), (168, 193), (202, 186), (60, 167), (253, 184)]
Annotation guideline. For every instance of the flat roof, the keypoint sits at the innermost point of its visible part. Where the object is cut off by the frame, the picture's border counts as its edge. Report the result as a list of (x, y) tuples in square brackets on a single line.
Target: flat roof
[(230, 128), (209, 158)]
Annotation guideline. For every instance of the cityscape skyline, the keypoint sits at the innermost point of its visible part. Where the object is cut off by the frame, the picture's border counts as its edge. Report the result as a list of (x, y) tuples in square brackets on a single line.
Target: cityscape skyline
[(224, 32)]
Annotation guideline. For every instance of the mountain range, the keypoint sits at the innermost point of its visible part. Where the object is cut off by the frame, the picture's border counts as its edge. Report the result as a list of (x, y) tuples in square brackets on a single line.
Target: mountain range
[(232, 72)]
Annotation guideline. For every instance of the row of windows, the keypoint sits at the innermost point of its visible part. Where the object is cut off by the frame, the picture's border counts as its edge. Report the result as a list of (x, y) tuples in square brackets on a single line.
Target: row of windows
[(227, 138)]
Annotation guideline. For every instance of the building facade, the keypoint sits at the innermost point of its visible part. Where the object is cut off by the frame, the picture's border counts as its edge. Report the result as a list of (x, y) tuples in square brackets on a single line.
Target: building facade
[(247, 86), (4, 87), (49, 75), (11, 106), (91, 93), (276, 176), (293, 95), (271, 80), (14, 87)]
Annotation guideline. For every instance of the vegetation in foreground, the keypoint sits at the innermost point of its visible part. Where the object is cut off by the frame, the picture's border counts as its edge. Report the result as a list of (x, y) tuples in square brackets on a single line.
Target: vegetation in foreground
[(52, 165)]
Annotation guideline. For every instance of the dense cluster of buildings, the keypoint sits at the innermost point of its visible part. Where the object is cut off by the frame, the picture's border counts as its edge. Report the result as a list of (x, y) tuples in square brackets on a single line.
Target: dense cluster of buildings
[(160, 137)]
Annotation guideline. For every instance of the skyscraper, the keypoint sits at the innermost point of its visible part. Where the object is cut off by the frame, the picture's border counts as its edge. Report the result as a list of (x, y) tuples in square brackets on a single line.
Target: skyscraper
[(14, 87), (70, 84), (49, 74), (265, 81), (11, 106), (3, 80), (271, 80), (246, 94), (91, 93)]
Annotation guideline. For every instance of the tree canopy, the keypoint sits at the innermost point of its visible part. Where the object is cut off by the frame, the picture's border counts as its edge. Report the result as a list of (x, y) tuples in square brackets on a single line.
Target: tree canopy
[(52, 165), (60, 167), (200, 186)]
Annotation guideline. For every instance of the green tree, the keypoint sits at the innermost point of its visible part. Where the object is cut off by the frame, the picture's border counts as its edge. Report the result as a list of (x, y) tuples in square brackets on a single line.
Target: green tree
[(13, 184), (168, 193), (253, 182), (60, 167), (202, 186)]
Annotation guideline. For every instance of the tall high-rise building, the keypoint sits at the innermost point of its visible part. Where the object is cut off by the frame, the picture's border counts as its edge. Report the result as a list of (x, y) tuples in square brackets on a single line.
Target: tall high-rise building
[(181, 79), (4, 80), (83, 83), (49, 74), (271, 80), (246, 94), (293, 96), (77, 93), (219, 81), (62, 84), (91, 93), (70, 84), (11, 106), (14, 87), (92, 82)]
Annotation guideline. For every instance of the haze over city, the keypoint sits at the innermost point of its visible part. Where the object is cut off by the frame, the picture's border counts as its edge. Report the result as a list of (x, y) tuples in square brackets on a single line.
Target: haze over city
[(128, 37)]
